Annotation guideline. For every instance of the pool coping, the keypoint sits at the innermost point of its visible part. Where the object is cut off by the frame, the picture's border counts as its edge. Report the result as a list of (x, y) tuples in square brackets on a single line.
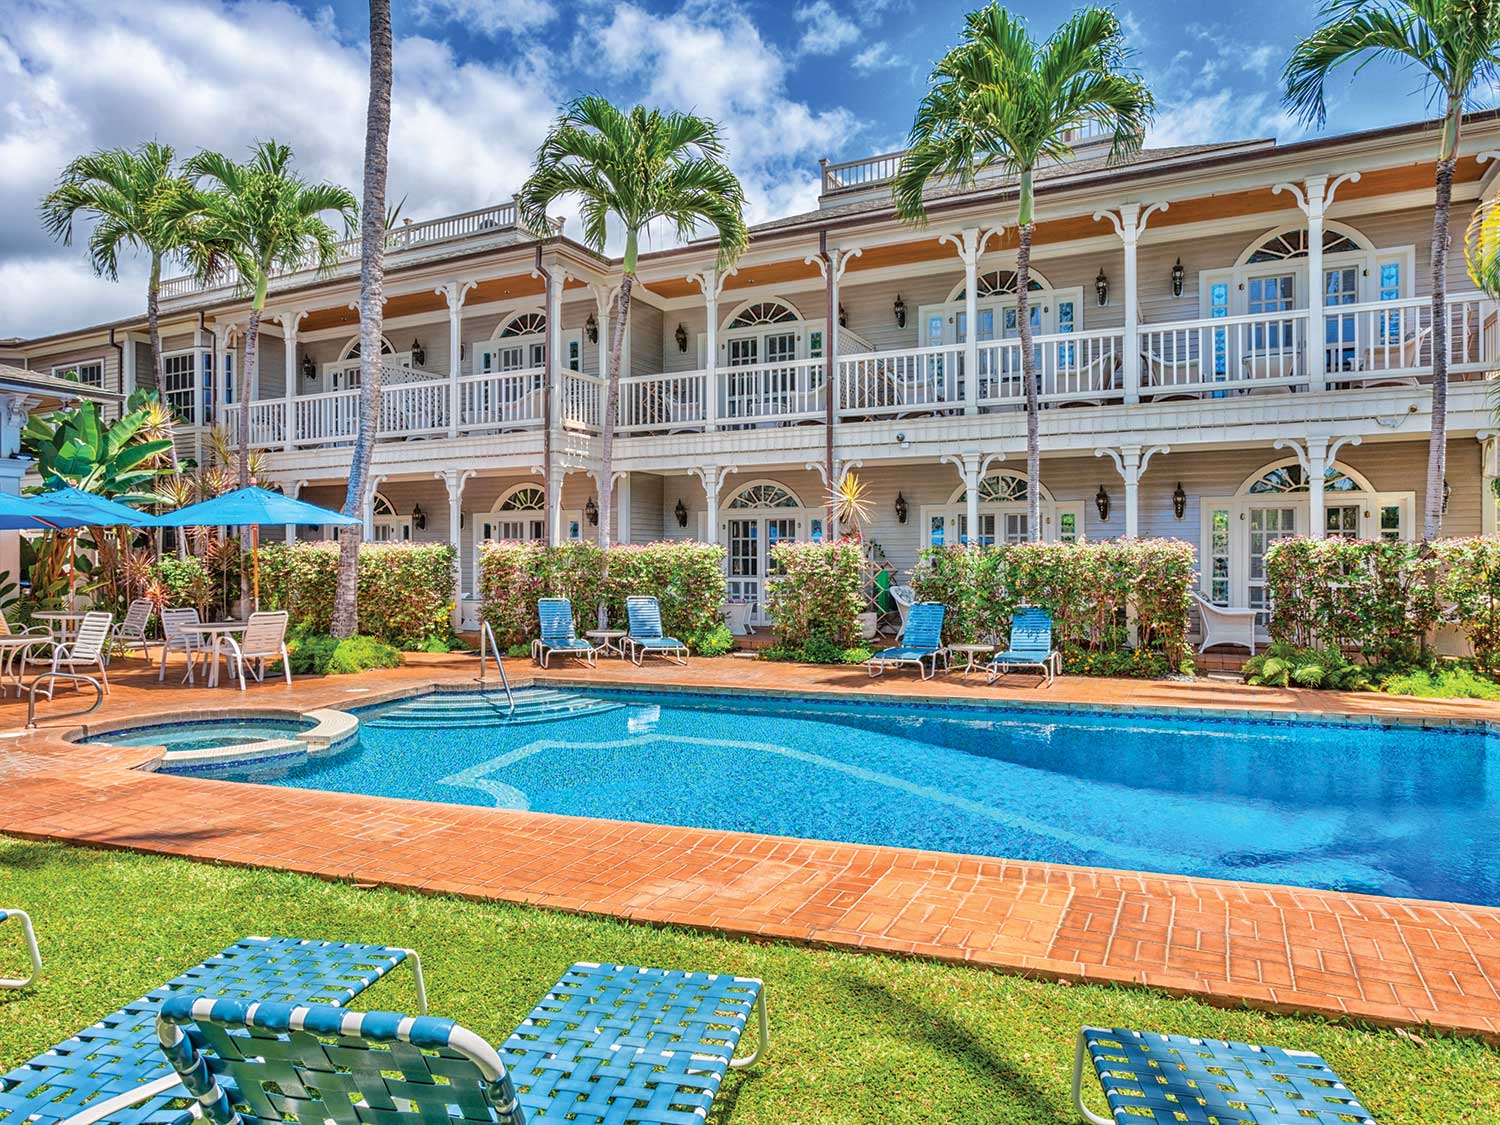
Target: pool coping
[(1432, 963)]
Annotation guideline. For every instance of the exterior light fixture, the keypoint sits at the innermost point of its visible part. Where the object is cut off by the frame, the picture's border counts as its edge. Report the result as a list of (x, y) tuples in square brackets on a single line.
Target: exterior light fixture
[(418, 353), (1447, 492), (309, 368), (591, 329), (1101, 287), (1178, 275), (681, 336), (901, 508), (591, 512), (843, 316), (899, 308), (418, 518), (681, 513), (1179, 501), (1101, 501)]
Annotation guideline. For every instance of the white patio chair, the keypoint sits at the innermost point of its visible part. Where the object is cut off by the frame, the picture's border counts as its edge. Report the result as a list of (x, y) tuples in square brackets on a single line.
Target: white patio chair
[(1225, 626), (904, 597), (131, 633), (174, 638), (264, 639), (17, 659), (88, 648)]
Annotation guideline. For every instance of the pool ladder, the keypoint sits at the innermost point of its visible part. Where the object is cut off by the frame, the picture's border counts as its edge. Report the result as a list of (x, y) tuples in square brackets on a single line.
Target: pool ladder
[(77, 678), (487, 638)]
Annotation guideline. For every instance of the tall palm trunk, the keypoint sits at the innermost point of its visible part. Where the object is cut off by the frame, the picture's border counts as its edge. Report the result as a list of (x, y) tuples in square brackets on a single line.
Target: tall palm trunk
[(242, 395), (1028, 367), (371, 310), (611, 405), (1437, 449), (153, 329)]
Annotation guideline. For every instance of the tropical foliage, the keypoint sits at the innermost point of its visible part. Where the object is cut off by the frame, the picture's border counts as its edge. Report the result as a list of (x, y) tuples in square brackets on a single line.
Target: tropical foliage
[(687, 580), (637, 166), (1454, 49), (1002, 99), (816, 593), (1095, 591), (406, 591)]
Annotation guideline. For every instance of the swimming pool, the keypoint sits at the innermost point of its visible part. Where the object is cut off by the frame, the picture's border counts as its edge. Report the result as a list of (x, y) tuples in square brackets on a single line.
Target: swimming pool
[(1395, 810), (207, 734)]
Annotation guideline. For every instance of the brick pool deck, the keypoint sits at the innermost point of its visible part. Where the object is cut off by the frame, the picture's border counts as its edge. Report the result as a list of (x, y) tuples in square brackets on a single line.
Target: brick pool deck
[(1381, 960)]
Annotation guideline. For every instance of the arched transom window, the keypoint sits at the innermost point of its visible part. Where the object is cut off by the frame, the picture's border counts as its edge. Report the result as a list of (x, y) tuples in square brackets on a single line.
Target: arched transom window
[(1293, 244), (763, 312), (998, 283), (1293, 478), (527, 498), (1002, 515), (766, 494), (383, 507), (525, 324)]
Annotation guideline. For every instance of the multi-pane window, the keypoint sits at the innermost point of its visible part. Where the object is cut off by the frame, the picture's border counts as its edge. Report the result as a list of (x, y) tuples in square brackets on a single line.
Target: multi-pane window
[(1340, 287), (1067, 527), (1390, 521), (1390, 290), (88, 372), (1218, 309), (179, 385), (1218, 557)]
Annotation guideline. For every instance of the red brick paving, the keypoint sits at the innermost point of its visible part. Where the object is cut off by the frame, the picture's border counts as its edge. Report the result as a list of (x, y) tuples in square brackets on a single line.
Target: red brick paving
[(1286, 949)]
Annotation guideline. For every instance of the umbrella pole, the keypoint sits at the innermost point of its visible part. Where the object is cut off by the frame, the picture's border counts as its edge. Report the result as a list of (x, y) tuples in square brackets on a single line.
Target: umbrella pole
[(255, 564)]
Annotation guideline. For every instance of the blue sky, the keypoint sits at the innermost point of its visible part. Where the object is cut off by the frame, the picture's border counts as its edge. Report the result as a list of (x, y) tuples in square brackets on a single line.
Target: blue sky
[(478, 80)]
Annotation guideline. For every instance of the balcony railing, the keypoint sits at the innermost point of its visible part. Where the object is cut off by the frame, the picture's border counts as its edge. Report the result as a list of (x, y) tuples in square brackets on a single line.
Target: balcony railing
[(403, 237)]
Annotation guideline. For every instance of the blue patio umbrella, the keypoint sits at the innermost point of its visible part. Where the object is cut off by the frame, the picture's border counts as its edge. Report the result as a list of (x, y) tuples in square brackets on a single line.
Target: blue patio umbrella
[(253, 508), (66, 508)]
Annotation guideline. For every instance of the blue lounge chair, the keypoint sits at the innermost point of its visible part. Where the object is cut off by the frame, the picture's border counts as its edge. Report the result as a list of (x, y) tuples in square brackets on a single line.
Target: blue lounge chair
[(1030, 645), (608, 1044), (114, 1071), (1150, 1077), (921, 642), (645, 632), (28, 936), (556, 615)]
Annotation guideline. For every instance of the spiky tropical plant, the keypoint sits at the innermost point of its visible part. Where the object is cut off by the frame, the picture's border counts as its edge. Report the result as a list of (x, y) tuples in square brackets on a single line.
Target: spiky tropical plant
[(138, 199), (372, 236), (1002, 99), (264, 219), (639, 166), (1455, 49)]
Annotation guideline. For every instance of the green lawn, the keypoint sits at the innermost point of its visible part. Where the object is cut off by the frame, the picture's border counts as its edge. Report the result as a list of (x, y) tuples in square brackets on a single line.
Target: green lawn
[(856, 1039)]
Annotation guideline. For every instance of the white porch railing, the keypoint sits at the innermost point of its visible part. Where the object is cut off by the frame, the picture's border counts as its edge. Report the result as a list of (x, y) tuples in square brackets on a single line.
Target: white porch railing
[(1245, 352), (1072, 367), (899, 382), (500, 400), (664, 402), (1388, 340), (771, 392), (582, 400)]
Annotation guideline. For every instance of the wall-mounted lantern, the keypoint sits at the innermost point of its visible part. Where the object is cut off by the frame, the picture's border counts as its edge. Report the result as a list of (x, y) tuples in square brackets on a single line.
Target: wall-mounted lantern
[(591, 329), (681, 337), (1179, 501), (418, 353), (309, 368), (899, 308), (843, 316), (591, 512), (418, 518), (1101, 287), (1101, 501), (681, 513), (1178, 276)]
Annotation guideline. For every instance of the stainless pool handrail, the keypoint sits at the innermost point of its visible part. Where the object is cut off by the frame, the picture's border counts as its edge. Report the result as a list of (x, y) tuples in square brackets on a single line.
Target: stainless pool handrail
[(76, 677), (486, 634)]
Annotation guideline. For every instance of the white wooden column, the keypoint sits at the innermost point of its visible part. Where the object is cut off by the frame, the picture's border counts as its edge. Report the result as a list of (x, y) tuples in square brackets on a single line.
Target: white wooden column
[(622, 507), (289, 322), (367, 511), (603, 298), (453, 480), (292, 489), (453, 293), (557, 279), (839, 259), (712, 477), (554, 505), (711, 284), (971, 465), (1314, 196), (1130, 462), (970, 244), (1315, 454), (1130, 223), (127, 366)]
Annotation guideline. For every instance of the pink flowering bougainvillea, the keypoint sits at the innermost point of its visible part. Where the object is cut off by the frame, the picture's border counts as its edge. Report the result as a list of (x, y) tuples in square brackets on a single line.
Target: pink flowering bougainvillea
[(815, 592)]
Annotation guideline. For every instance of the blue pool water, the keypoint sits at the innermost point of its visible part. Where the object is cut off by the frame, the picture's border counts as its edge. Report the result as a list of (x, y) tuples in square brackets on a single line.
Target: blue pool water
[(208, 734), (1396, 810)]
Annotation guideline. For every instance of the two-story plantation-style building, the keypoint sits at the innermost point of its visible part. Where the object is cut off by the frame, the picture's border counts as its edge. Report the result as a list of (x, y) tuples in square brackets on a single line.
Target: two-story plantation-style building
[(1234, 343)]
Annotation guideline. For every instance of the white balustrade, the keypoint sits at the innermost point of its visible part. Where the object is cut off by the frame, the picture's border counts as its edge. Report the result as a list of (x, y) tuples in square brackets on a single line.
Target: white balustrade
[(504, 400), (664, 402), (267, 422), (328, 417), (582, 400), (1244, 353), (761, 393), (415, 408), (911, 380), (1389, 340)]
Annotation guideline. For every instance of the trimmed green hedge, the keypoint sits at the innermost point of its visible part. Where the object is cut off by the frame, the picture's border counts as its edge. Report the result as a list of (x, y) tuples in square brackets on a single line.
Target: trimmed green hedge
[(406, 590), (815, 594), (686, 578), (1093, 590)]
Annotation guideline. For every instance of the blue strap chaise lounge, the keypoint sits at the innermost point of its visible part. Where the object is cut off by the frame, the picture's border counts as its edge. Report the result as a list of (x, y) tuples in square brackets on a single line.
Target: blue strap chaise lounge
[(921, 642), (1151, 1077), (33, 954), (557, 636), (608, 1044), (645, 636), (114, 1072), (1030, 645)]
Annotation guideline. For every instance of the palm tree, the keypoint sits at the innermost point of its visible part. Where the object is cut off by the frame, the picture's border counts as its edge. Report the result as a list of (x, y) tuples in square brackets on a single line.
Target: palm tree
[(139, 200), (374, 224), (638, 166), (1456, 49), (1001, 99), (265, 219)]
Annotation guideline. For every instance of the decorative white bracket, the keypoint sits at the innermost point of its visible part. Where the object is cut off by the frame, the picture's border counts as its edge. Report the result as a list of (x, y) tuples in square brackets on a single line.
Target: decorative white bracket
[(713, 476), (971, 241), (841, 256), (455, 479), (1132, 454), (1130, 220), (713, 280), (980, 462), (1316, 195), (456, 291), (840, 468)]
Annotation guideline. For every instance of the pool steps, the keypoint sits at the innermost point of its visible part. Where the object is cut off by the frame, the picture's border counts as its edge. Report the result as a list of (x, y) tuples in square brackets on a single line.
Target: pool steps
[(487, 709)]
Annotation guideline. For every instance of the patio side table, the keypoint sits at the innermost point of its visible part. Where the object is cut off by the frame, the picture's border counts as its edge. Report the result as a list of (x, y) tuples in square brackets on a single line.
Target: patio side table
[(969, 652), (610, 642)]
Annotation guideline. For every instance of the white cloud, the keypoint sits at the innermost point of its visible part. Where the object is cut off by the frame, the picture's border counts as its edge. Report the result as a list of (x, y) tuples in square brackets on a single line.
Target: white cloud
[(825, 30), (1221, 115), (490, 18), (877, 56)]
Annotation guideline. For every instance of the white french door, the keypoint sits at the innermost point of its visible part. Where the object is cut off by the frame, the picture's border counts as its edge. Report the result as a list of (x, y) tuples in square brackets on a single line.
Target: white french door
[(748, 540)]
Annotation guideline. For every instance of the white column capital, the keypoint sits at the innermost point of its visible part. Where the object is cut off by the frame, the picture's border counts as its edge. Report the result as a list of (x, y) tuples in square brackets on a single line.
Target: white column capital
[(1131, 460), (713, 476), (1315, 194), (711, 282), (455, 479), (454, 292), (1130, 219), (287, 318), (971, 241), (840, 256)]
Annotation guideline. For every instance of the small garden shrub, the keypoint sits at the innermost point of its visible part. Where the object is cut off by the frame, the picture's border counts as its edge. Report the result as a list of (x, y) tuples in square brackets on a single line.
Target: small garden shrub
[(717, 641), (815, 596), (1092, 589), (1469, 589), (318, 654), (818, 651), (687, 580), (1456, 681), (406, 590), (1288, 665)]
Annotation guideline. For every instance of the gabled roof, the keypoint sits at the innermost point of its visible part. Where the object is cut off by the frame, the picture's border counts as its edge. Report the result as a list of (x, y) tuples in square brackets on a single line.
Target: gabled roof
[(52, 387)]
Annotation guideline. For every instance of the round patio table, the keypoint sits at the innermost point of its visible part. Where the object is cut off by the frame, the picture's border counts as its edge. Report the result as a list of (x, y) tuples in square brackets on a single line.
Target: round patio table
[(64, 625), (969, 652), (608, 640), (211, 633), (13, 648)]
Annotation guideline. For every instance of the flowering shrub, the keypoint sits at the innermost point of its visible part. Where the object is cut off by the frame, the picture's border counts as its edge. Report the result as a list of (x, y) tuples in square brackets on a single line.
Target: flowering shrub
[(1375, 597), (1470, 590), (816, 593), (1092, 589), (405, 595), (686, 578)]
